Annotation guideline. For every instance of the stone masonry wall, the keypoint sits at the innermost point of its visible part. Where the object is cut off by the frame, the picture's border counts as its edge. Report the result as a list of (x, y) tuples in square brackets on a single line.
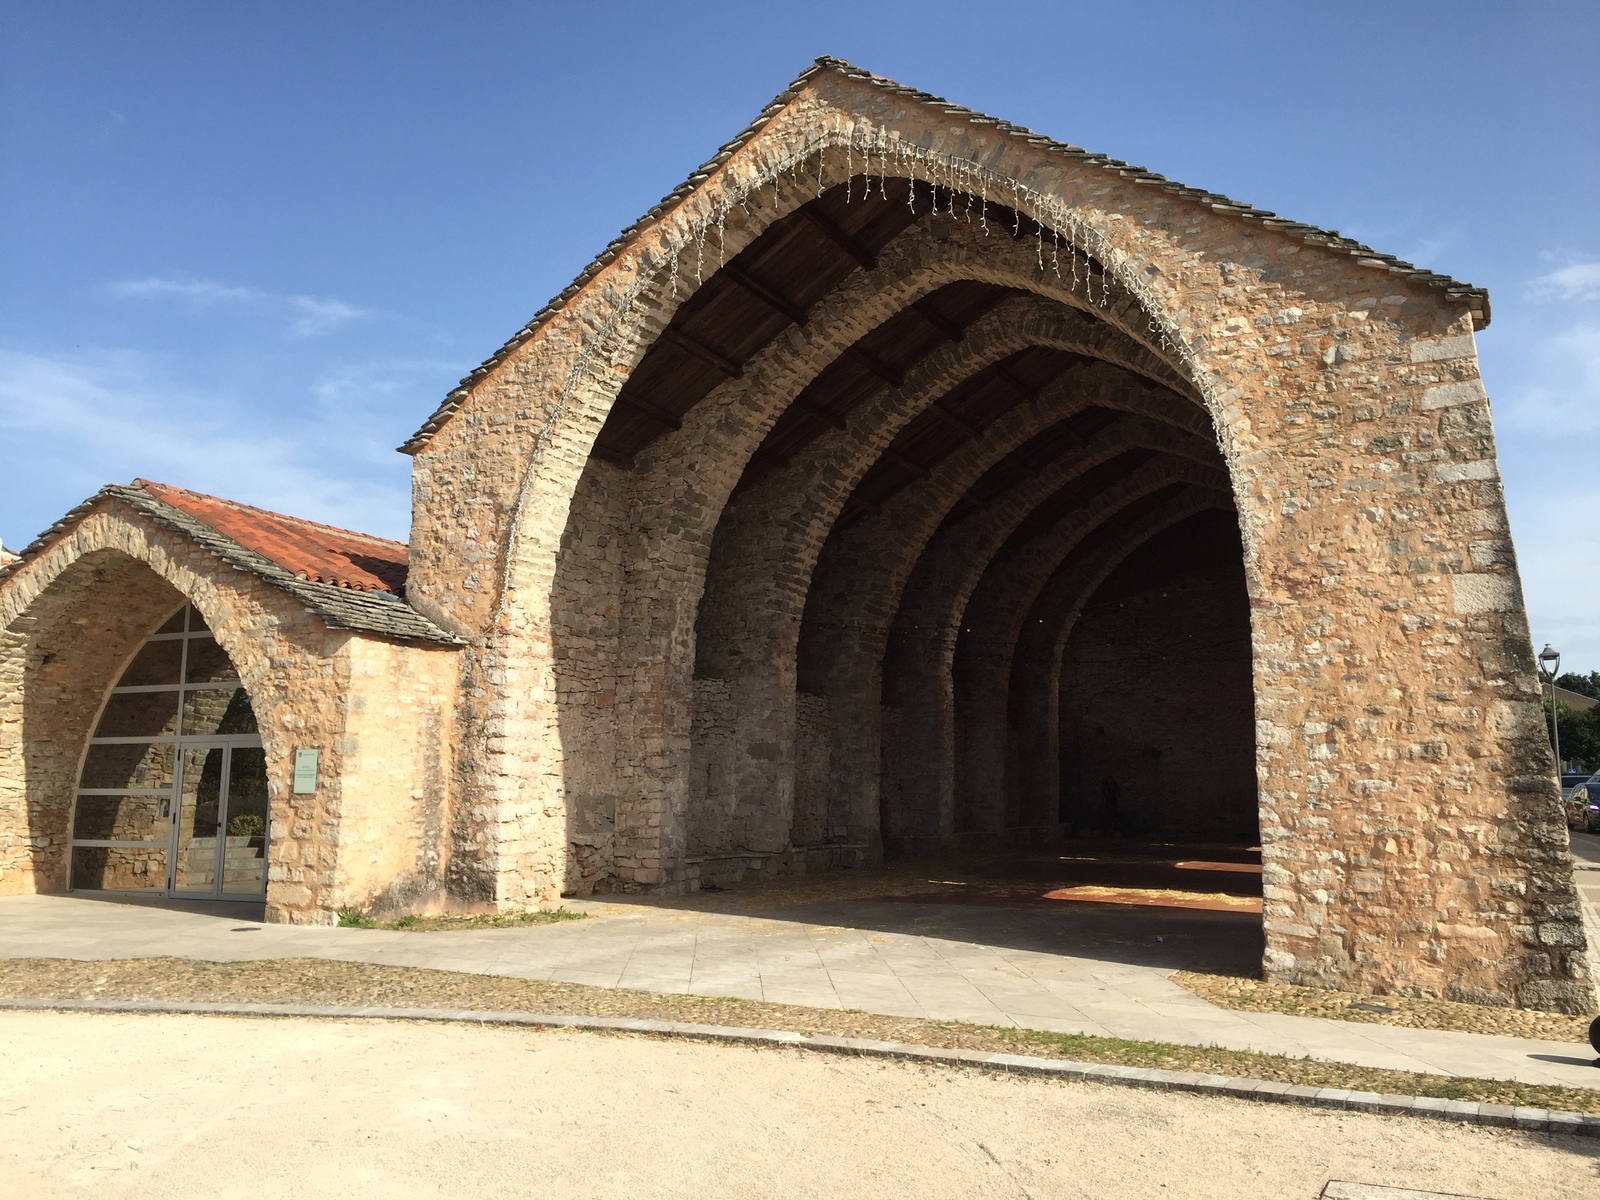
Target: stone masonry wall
[(72, 615), (1411, 834)]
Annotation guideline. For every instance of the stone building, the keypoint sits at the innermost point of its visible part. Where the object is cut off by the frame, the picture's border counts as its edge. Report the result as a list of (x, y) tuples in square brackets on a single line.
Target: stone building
[(906, 482)]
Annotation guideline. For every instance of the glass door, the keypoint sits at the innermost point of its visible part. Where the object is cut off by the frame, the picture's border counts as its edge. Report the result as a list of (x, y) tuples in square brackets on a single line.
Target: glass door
[(172, 797), (219, 835)]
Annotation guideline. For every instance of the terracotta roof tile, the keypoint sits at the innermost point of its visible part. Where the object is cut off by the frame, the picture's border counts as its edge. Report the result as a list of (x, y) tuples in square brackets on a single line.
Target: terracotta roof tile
[(307, 550)]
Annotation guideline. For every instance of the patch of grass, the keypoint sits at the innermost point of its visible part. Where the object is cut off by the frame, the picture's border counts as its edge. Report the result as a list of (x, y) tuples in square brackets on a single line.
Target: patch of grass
[(347, 984), (1412, 1012), (353, 918)]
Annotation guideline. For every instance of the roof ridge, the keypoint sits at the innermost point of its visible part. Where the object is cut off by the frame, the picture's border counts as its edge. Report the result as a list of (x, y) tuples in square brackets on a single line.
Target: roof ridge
[(270, 512), (1330, 239)]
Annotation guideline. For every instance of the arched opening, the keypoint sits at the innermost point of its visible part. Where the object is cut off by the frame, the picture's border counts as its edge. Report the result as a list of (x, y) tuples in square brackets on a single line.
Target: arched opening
[(926, 467), (172, 794)]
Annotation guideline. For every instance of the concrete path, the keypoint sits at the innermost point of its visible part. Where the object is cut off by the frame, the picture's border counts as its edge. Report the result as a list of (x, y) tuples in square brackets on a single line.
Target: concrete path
[(120, 1106), (1072, 969)]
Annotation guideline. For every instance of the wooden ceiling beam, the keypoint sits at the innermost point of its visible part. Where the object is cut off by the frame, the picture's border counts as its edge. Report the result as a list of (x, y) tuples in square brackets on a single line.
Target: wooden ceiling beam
[(612, 456), (877, 366), (764, 293), (840, 238), (910, 464), (817, 410), (702, 351), (1004, 372), (939, 410), (925, 309), (654, 411)]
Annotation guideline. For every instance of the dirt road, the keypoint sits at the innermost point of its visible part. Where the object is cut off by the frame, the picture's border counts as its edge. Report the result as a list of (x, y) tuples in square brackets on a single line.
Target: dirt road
[(123, 1105)]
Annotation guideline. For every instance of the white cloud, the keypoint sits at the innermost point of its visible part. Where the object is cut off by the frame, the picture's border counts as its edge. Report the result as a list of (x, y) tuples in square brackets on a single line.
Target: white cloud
[(1576, 281), (307, 316), (1558, 389), (70, 426)]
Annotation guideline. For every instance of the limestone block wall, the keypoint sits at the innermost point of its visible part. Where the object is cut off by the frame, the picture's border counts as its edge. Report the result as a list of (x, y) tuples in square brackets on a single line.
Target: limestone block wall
[(395, 812)]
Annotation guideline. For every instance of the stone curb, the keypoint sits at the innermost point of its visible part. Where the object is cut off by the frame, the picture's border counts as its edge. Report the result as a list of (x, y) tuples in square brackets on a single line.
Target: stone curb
[(1503, 1116)]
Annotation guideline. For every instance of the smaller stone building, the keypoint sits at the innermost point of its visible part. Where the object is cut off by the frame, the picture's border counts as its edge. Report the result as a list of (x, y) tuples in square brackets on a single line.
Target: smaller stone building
[(166, 656)]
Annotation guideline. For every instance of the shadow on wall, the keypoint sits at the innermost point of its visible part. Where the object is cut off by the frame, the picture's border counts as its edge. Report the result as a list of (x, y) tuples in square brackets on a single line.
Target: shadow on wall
[(1157, 704), (74, 641)]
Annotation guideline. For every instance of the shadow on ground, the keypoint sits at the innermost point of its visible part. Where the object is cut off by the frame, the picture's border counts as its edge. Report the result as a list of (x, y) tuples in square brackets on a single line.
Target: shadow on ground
[(1006, 901)]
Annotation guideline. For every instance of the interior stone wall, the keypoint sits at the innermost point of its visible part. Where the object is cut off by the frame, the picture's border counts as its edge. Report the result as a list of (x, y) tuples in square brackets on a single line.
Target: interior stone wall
[(1157, 708)]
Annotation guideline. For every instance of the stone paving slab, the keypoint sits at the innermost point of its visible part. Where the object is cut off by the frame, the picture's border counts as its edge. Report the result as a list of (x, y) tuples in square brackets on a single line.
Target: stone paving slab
[(858, 962)]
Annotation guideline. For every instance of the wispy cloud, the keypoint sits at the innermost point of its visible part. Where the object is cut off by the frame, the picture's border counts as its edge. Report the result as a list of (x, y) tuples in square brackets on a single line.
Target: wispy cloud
[(1576, 281), (306, 316), (1557, 393), (107, 417)]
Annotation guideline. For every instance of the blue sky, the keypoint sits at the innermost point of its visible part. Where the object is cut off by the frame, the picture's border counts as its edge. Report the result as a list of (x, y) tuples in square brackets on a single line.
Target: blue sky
[(248, 247)]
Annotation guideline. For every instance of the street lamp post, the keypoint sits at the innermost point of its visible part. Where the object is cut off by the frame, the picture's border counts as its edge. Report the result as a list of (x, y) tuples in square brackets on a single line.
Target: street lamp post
[(1550, 663)]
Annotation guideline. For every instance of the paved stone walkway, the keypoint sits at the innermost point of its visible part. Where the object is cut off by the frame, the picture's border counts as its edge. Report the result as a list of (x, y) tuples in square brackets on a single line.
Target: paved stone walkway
[(1064, 968)]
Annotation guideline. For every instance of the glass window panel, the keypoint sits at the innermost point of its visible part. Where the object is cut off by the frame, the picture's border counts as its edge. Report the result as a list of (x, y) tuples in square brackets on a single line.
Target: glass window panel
[(197, 623), (135, 765), (119, 868), (244, 863), (175, 622), (122, 819), (158, 662), (217, 711), (199, 810), (139, 714), (209, 662)]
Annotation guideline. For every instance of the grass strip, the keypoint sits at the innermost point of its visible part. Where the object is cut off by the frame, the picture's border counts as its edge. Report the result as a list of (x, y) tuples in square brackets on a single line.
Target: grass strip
[(1411, 1012), (354, 918), (324, 982)]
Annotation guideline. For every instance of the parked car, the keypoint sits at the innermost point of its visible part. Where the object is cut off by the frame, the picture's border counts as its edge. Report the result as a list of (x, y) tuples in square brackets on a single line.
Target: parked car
[(1582, 805)]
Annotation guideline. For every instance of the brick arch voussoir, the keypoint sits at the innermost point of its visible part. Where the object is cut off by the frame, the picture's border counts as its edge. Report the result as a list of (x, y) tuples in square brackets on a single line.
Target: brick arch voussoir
[(39, 596), (950, 570), (683, 480), (216, 589), (862, 571), (772, 574), (922, 667)]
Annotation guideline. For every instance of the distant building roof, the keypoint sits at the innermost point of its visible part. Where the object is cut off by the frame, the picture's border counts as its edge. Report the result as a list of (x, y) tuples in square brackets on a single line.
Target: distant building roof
[(1576, 701)]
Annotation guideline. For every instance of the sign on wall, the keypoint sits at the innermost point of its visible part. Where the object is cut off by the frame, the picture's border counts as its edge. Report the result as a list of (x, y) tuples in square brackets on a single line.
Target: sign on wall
[(305, 772)]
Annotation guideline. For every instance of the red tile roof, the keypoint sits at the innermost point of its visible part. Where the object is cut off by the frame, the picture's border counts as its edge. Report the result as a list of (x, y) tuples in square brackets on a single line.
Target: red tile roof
[(321, 553)]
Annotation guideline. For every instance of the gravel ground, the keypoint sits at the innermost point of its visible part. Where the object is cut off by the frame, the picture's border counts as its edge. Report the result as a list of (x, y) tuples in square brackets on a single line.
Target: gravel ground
[(115, 1106), (325, 982), (1253, 995)]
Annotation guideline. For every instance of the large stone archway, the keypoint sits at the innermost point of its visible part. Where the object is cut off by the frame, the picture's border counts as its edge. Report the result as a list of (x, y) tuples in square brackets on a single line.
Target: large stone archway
[(574, 494)]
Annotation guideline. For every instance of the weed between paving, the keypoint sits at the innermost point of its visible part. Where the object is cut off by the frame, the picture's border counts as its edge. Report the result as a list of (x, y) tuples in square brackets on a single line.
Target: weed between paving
[(321, 982)]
